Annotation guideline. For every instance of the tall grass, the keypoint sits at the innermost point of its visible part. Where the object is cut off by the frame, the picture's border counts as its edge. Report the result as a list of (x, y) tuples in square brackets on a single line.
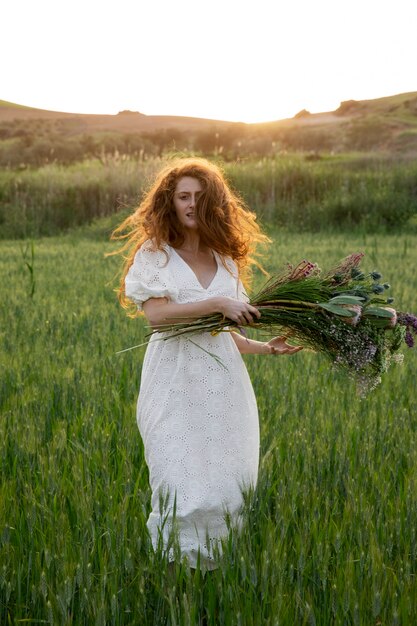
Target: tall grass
[(330, 535), (290, 191), (54, 198)]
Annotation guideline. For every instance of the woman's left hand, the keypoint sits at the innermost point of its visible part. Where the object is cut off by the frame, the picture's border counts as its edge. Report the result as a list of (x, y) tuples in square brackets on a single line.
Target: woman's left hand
[(279, 345)]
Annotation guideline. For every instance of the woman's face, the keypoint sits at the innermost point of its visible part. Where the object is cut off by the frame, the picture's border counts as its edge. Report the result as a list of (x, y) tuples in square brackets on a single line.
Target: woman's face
[(186, 194)]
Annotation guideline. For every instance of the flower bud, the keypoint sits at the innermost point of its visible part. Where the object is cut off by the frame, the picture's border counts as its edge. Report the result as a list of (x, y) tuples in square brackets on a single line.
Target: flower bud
[(354, 308), (392, 321), (378, 289)]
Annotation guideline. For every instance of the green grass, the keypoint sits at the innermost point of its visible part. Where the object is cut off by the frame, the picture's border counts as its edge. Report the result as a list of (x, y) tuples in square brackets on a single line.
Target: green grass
[(351, 191), (331, 536)]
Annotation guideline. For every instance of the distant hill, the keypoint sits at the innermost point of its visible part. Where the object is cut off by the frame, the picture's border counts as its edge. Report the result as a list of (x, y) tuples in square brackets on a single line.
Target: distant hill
[(401, 108), (125, 121), (30, 136)]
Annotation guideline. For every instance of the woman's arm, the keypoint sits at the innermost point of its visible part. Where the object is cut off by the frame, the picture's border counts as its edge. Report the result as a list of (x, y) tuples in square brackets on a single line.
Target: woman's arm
[(278, 345), (160, 311)]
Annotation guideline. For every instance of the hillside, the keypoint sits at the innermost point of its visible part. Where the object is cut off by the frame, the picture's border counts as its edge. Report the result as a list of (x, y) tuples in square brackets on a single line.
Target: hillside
[(34, 137), (125, 121)]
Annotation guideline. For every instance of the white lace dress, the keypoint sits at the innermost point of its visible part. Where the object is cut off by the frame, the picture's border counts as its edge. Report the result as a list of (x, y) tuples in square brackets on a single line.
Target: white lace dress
[(198, 418)]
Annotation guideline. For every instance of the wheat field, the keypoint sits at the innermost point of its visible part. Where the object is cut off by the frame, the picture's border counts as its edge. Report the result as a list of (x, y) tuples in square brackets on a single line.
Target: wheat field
[(330, 534)]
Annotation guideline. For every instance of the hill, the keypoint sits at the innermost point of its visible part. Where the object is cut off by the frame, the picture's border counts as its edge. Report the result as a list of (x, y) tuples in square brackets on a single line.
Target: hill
[(35, 136), (124, 121)]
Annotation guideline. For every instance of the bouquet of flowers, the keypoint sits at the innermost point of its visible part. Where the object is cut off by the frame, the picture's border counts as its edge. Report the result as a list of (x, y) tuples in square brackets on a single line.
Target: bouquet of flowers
[(342, 313)]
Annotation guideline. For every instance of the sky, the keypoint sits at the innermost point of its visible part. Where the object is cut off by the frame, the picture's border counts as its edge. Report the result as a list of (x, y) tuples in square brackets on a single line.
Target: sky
[(237, 60)]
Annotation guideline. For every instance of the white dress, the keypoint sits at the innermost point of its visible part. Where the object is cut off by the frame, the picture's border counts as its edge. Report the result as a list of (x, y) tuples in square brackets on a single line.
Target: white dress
[(197, 417)]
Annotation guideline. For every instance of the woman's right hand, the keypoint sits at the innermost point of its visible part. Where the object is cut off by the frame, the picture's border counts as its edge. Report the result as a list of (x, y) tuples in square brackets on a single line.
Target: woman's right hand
[(240, 312)]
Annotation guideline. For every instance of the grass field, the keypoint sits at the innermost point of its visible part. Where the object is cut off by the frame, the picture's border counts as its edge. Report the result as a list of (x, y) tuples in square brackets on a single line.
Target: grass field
[(331, 534), (366, 191)]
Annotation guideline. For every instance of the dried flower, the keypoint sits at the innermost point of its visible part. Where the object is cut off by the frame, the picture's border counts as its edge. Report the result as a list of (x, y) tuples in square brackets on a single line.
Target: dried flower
[(303, 270), (341, 274)]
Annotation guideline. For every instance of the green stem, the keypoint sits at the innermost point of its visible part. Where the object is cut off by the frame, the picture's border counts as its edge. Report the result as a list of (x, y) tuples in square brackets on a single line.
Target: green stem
[(276, 304)]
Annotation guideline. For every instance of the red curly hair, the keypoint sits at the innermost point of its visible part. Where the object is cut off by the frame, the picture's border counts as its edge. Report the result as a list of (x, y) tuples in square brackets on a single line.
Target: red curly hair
[(225, 224)]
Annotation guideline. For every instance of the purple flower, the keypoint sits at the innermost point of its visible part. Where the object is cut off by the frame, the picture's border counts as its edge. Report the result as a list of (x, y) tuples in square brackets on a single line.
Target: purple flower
[(410, 322), (409, 339), (407, 319)]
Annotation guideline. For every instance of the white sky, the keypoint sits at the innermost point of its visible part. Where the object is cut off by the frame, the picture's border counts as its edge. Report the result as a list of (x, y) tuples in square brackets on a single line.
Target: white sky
[(239, 60)]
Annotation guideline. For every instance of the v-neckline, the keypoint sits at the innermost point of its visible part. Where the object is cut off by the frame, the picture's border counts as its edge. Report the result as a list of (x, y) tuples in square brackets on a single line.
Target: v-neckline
[(193, 272)]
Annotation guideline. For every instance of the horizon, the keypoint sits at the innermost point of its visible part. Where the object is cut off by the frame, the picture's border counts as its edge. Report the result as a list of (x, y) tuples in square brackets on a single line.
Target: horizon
[(329, 111)]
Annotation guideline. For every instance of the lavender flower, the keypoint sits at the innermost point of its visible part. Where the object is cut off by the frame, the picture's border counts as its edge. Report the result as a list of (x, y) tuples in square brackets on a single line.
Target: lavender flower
[(410, 322)]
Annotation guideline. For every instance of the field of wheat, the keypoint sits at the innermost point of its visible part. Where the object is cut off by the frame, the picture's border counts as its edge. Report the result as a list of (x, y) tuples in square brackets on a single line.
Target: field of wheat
[(330, 534)]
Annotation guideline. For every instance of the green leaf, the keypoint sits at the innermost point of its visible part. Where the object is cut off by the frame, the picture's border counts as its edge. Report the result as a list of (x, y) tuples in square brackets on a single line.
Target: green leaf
[(377, 312), (214, 356), (347, 300), (337, 310)]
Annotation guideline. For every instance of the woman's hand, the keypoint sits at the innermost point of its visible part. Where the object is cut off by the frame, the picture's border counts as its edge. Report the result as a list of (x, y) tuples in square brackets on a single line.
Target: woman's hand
[(278, 345), (237, 311)]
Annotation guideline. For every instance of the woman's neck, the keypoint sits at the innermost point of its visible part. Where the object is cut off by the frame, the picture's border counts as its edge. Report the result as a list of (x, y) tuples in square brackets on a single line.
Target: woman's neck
[(192, 243)]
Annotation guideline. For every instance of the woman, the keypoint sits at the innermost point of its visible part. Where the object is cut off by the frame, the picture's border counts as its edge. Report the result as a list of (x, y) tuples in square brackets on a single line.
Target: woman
[(190, 241)]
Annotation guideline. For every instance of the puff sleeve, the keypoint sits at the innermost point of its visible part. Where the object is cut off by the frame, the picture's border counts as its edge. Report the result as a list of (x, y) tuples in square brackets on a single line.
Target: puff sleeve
[(149, 276)]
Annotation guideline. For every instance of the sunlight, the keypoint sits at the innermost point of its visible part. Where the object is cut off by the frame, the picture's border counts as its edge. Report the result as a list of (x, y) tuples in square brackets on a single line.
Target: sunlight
[(238, 61)]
